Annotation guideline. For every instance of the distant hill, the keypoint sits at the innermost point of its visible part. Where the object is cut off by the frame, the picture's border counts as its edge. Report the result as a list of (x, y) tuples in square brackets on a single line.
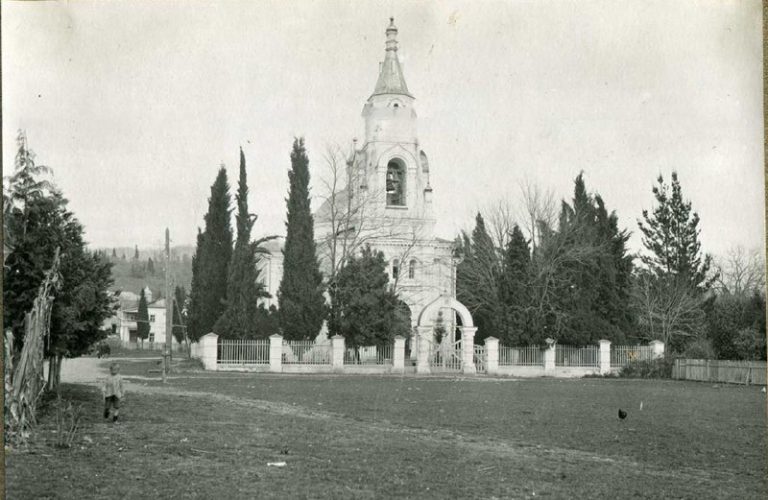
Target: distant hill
[(132, 275)]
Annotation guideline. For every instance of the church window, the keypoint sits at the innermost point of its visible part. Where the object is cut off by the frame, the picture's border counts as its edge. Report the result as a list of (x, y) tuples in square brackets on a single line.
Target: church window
[(395, 269), (395, 184), (412, 269)]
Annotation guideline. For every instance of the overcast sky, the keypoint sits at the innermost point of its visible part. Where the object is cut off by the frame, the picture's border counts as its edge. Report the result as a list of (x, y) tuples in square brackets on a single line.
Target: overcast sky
[(135, 104)]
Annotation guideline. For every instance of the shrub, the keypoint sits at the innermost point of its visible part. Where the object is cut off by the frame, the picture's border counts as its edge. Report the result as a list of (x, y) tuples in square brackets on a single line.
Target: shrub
[(654, 368)]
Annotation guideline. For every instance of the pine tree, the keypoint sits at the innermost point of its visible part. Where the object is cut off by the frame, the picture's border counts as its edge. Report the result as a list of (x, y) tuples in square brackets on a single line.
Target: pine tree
[(300, 297), (114, 253), (671, 237), (243, 288), (212, 258), (136, 252), (142, 323), (150, 266)]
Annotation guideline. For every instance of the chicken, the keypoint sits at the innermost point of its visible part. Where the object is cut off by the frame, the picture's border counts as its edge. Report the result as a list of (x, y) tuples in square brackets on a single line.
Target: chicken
[(622, 414)]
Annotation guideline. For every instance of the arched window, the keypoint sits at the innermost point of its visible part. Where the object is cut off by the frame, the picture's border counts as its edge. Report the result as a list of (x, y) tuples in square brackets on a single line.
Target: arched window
[(395, 269), (412, 269), (395, 184)]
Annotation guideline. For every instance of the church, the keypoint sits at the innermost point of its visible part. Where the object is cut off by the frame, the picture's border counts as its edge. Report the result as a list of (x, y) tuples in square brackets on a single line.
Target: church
[(386, 201)]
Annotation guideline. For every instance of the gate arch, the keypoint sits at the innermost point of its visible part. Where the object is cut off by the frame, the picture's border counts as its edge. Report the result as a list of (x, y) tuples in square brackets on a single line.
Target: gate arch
[(445, 301), (425, 327)]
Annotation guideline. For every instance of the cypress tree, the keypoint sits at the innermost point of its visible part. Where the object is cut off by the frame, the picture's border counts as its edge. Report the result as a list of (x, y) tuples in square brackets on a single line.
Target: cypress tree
[(142, 324), (515, 280), (179, 298), (243, 289), (300, 297), (211, 261)]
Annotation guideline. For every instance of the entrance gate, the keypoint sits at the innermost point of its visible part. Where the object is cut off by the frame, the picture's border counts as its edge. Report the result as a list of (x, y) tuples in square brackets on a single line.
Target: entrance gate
[(445, 356), (459, 356)]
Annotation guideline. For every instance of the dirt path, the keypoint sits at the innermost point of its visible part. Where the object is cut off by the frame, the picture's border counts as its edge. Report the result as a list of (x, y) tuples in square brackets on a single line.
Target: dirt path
[(84, 370)]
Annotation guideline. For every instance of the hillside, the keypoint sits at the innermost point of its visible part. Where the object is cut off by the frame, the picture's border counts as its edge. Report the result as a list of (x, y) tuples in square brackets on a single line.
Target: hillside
[(133, 275)]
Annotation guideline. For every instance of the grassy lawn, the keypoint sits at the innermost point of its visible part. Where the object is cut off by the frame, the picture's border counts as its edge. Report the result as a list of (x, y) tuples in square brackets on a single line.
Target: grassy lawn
[(211, 435)]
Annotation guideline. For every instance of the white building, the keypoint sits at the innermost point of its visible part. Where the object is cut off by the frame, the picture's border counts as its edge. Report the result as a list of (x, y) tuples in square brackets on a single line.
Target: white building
[(387, 202), (128, 315)]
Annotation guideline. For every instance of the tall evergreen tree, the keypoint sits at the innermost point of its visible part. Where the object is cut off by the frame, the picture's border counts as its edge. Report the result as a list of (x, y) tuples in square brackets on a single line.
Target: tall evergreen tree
[(300, 297), (478, 280), (582, 273), (194, 319), (243, 288), (515, 281), (212, 258), (368, 308), (179, 316), (142, 323), (671, 237)]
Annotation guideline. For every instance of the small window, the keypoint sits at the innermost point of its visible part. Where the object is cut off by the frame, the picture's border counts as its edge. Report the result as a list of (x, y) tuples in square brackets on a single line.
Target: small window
[(151, 337), (151, 318), (412, 269), (395, 269)]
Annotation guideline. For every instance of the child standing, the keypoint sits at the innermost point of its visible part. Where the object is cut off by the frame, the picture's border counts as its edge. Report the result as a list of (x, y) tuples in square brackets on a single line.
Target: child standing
[(113, 391)]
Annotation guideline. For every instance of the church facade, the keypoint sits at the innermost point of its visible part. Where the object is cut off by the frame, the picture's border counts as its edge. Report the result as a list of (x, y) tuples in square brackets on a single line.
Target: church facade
[(386, 201)]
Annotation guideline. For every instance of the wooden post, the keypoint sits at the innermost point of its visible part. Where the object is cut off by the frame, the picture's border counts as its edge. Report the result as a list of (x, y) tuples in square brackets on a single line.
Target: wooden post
[(168, 305)]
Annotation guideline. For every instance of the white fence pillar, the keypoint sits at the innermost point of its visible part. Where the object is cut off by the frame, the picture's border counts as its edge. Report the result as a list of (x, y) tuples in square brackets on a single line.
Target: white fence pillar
[(423, 342), (276, 353), (492, 353), (209, 347), (337, 353), (398, 357), (605, 356), (549, 359), (657, 347), (468, 346)]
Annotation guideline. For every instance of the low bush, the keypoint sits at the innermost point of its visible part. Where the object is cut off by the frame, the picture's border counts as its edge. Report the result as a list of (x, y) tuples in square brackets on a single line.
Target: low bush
[(653, 368)]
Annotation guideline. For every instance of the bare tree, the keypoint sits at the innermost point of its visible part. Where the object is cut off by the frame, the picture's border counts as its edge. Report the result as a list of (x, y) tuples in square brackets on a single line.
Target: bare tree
[(537, 206), (666, 308), (741, 271)]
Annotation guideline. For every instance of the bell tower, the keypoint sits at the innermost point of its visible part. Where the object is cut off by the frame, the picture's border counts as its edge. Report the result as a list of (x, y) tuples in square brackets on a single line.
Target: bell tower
[(394, 168)]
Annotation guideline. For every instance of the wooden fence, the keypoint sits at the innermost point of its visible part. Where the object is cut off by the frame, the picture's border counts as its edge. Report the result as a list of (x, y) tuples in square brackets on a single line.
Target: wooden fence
[(732, 372)]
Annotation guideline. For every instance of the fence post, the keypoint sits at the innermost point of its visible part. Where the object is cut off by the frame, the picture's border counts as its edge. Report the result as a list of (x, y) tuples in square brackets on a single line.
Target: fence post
[(468, 346), (276, 353), (492, 353), (657, 348), (209, 346), (337, 353), (549, 359), (398, 356), (605, 356), (422, 349)]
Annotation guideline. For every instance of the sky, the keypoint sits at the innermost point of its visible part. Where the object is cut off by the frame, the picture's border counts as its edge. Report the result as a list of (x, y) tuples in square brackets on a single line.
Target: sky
[(136, 104)]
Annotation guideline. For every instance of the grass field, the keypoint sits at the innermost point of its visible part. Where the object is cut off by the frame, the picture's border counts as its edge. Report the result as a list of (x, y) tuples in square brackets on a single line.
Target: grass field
[(211, 435)]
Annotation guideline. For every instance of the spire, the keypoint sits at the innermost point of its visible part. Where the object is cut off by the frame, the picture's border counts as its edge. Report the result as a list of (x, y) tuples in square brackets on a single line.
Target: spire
[(391, 80)]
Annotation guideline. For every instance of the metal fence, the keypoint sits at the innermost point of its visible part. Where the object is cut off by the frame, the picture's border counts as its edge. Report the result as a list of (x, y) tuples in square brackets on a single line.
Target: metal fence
[(577, 356), (622, 355), (708, 370), (306, 352), (521, 356), (369, 355), (243, 352)]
